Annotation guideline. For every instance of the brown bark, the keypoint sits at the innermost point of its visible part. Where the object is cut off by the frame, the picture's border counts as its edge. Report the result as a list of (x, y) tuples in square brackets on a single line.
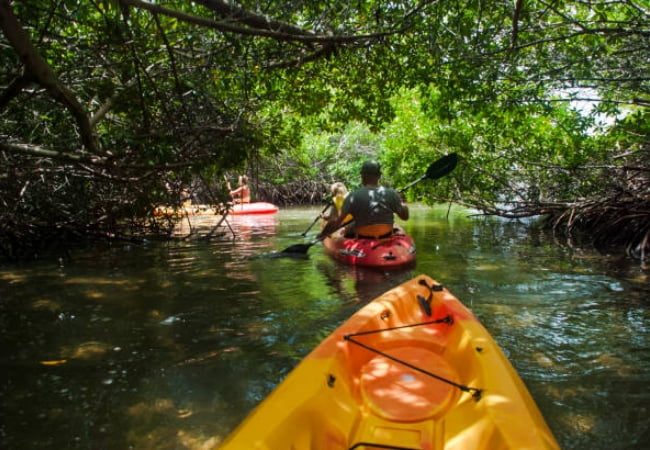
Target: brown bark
[(39, 71)]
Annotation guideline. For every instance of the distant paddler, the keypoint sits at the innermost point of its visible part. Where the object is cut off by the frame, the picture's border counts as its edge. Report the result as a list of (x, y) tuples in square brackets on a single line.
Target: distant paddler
[(243, 193)]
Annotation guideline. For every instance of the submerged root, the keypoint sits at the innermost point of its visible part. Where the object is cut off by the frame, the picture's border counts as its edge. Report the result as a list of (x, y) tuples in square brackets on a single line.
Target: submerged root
[(606, 223)]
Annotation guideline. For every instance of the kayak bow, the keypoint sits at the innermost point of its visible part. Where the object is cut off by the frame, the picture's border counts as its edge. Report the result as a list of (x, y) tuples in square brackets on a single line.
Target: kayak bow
[(413, 369)]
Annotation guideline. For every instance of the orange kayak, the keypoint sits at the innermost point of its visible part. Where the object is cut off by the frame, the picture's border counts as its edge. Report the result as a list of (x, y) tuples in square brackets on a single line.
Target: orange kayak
[(413, 369)]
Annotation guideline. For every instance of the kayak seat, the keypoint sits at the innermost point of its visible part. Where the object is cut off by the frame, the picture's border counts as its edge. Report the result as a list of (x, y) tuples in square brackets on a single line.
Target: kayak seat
[(375, 231), (396, 392)]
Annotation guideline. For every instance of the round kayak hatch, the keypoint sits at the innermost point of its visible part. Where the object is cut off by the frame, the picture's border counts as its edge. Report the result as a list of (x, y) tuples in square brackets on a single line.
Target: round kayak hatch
[(399, 393)]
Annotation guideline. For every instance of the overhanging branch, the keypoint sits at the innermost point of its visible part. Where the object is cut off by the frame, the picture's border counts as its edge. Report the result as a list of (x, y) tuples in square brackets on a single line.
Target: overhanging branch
[(285, 32), (40, 71)]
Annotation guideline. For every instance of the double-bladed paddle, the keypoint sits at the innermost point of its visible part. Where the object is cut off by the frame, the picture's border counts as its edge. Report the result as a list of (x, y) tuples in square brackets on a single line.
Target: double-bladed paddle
[(436, 170)]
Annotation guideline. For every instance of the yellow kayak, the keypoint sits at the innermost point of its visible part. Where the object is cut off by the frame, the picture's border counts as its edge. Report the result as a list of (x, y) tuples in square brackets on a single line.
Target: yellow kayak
[(413, 369)]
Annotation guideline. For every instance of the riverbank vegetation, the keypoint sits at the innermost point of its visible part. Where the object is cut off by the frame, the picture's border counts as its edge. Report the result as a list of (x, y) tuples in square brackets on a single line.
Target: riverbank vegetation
[(110, 107)]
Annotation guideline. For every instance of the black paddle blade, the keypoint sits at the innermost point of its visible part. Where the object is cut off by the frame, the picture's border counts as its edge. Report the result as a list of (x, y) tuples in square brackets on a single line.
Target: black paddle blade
[(436, 170), (442, 167), (298, 248)]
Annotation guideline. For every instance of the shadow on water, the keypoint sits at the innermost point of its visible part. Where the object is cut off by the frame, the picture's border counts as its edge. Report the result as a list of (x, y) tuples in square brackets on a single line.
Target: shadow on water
[(170, 345)]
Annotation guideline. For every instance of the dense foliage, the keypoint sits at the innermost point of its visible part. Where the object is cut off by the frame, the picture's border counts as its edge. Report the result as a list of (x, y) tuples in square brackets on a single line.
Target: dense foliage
[(108, 107)]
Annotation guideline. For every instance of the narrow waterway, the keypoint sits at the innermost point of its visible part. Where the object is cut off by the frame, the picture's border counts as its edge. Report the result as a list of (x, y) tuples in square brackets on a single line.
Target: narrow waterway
[(171, 345)]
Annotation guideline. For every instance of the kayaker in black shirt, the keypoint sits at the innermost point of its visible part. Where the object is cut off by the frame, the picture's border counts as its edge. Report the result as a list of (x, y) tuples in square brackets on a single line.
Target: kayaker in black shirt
[(371, 206)]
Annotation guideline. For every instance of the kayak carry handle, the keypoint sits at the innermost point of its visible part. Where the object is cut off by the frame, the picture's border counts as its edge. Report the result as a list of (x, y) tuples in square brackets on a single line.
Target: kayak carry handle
[(425, 303)]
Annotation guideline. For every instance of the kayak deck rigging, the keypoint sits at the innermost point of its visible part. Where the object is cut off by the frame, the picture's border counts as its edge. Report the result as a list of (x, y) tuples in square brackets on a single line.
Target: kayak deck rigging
[(476, 392)]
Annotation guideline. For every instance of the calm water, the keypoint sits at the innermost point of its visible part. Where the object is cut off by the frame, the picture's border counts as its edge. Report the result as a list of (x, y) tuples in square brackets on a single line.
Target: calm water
[(170, 345)]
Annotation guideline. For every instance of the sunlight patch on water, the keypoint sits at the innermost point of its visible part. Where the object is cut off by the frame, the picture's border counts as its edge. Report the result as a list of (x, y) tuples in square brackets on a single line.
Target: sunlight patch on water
[(616, 364), (87, 350), (488, 267), (175, 427), (99, 281), (566, 394), (48, 305), (543, 360), (581, 423), (13, 278)]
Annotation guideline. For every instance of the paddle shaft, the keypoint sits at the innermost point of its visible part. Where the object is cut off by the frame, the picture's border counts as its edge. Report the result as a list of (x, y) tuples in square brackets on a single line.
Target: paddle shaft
[(423, 177)]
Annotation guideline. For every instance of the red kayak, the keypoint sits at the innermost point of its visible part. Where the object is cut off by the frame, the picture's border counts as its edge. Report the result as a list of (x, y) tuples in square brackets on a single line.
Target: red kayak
[(253, 208), (397, 250)]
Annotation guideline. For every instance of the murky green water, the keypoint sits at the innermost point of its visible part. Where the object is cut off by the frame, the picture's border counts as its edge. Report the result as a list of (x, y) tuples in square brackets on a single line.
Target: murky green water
[(169, 346)]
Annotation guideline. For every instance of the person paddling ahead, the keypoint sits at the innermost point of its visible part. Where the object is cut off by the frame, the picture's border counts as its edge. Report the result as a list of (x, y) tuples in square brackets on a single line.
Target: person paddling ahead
[(371, 206), (243, 193)]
